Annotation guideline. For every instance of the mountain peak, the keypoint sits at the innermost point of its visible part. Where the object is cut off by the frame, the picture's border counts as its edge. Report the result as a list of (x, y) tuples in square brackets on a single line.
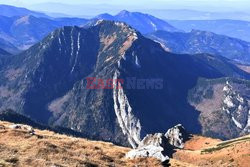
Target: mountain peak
[(70, 41), (124, 13), (108, 24), (142, 22), (105, 16), (10, 11)]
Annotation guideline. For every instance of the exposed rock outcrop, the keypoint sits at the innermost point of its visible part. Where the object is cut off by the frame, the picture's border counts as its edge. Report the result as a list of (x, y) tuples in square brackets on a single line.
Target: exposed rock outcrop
[(152, 146), (27, 128), (177, 136), (129, 124), (160, 146), (235, 106), (224, 107)]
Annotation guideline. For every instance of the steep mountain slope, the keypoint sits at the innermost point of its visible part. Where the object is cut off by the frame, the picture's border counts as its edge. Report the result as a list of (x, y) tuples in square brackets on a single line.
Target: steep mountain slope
[(142, 22), (3, 57), (204, 42), (10, 11), (12, 116), (224, 105), (48, 82), (7, 46), (25, 31), (3, 53), (233, 28)]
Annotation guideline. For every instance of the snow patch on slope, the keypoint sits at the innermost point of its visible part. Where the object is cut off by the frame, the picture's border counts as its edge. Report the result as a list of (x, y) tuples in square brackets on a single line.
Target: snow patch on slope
[(154, 26), (72, 42), (129, 124), (77, 51), (237, 123), (137, 63)]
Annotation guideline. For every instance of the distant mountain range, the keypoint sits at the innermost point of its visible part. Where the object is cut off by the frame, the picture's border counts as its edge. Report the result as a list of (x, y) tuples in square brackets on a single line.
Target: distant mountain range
[(24, 31), (204, 42), (83, 11), (21, 32), (48, 83), (10, 11), (186, 14), (167, 13), (233, 28), (142, 22)]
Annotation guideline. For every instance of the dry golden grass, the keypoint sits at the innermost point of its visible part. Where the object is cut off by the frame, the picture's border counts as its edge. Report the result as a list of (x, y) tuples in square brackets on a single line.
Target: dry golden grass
[(200, 142), (45, 148), (214, 153), (177, 163)]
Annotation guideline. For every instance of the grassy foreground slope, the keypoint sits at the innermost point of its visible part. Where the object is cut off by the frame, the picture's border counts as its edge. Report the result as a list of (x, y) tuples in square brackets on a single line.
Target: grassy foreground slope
[(45, 148), (208, 152)]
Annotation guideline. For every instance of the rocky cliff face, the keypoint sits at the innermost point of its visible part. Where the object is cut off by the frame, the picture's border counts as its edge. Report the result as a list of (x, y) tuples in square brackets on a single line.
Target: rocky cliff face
[(235, 106), (224, 107), (48, 82)]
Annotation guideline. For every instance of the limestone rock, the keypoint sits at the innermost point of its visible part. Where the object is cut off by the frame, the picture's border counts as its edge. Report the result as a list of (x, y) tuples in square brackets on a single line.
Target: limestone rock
[(160, 145), (151, 146), (157, 139), (27, 128), (177, 136), (148, 151)]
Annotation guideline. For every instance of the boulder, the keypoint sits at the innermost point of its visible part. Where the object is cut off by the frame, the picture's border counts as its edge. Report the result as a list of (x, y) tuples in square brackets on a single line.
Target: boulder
[(151, 146), (160, 145), (27, 128), (157, 139), (177, 136), (148, 151)]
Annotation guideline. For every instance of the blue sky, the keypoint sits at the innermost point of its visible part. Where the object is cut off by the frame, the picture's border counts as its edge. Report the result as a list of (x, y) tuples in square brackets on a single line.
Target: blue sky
[(233, 4), (93, 7)]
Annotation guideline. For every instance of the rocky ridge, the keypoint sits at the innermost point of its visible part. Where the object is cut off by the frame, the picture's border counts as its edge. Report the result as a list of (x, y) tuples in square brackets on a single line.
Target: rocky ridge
[(48, 83), (160, 145)]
